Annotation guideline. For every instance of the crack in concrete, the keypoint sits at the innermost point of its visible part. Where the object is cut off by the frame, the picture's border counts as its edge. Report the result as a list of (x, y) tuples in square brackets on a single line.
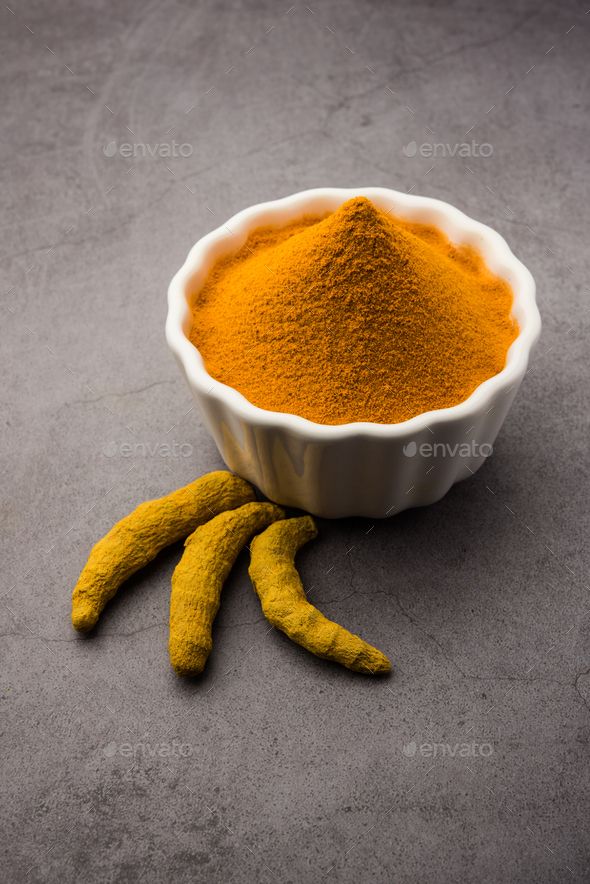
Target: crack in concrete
[(108, 395), (476, 44), (484, 677), (577, 689), (78, 638)]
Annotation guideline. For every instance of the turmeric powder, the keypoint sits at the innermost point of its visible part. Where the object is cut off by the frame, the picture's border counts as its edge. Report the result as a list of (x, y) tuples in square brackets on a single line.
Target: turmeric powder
[(279, 588), (140, 536), (356, 316), (209, 555)]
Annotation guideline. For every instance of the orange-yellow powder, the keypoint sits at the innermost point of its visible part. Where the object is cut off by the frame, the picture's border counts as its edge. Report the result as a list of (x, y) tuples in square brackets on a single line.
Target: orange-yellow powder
[(356, 316)]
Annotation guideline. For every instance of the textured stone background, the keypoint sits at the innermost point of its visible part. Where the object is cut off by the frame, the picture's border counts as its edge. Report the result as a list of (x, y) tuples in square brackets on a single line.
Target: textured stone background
[(278, 767)]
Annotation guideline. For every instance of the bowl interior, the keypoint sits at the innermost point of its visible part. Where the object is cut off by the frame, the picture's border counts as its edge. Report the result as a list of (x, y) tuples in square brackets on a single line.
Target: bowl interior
[(462, 230)]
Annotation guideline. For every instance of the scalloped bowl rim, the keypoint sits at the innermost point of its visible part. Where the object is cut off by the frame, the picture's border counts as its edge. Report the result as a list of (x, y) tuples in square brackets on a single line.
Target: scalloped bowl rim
[(497, 254)]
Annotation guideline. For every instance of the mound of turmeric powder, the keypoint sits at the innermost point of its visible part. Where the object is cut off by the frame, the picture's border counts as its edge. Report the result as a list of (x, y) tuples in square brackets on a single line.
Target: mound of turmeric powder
[(356, 316)]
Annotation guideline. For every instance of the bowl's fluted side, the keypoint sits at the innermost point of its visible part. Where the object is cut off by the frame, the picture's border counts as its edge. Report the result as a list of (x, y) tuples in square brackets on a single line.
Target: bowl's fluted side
[(357, 475)]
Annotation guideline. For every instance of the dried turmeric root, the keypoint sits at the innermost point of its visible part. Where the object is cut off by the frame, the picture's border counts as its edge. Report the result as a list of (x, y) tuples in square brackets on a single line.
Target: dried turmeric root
[(198, 579), (279, 588), (140, 536)]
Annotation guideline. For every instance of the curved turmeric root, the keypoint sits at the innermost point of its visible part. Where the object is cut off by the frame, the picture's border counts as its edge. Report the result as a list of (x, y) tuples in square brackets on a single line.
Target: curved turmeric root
[(279, 588), (198, 579), (140, 536)]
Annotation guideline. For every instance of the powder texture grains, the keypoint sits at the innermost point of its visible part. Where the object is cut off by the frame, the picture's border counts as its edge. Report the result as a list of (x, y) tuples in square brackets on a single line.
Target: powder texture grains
[(356, 316)]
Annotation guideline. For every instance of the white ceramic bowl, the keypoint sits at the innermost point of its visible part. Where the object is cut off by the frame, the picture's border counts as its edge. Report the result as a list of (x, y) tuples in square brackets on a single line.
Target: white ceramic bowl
[(358, 469)]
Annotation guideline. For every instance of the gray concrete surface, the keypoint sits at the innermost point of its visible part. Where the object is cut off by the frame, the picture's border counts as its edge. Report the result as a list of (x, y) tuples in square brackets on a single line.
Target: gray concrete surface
[(470, 764)]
